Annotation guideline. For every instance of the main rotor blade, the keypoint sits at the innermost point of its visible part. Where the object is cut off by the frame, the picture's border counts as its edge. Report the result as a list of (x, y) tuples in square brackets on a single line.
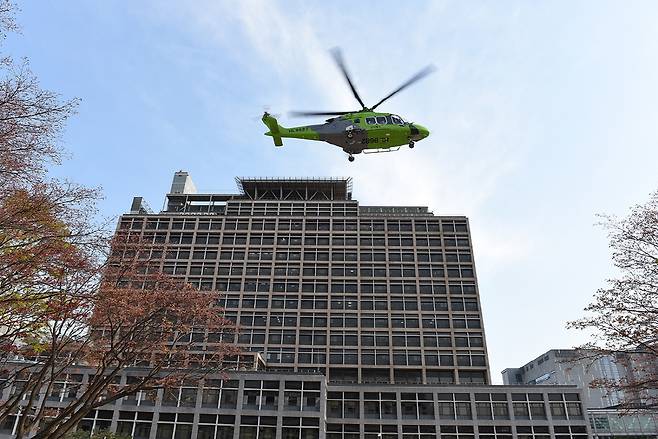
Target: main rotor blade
[(417, 77), (338, 57), (318, 113)]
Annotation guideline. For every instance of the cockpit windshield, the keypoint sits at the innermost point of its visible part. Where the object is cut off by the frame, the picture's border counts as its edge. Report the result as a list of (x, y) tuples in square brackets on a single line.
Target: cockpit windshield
[(397, 119)]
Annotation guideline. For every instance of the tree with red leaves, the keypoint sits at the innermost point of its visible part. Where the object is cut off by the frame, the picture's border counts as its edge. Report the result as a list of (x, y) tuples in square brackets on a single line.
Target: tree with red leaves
[(71, 296), (132, 319), (624, 315)]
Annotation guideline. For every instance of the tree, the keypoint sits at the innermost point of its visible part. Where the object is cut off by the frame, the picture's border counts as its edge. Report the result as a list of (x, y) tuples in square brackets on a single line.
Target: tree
[(98, 435), (136, 318), (45, 225), (112, 318), (70, 295), (624, 314)]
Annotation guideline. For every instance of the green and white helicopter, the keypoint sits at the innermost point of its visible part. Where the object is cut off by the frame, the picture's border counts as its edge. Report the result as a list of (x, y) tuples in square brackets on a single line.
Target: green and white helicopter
[(357, 131)]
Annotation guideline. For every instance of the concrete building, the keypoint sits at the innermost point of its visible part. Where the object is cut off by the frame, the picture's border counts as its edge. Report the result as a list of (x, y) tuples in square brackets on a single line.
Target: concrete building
[(367, 320), (318, 283), (563, 367)]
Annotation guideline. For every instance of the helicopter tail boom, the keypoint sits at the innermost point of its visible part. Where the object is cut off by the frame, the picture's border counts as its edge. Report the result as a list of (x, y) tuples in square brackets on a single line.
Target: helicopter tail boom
[(274, 129)]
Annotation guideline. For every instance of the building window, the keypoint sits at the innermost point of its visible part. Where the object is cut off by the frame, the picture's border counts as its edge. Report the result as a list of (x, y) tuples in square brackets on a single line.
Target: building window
[(302, 396), (565, 406), (300, 428), (260, 395), (135, 424), (528, 406), (380, 431), (454, 406), (378, 405), (343, 356), (532, 432), (343, 405), (312, 356), (495, 431), (570, 432), (491, 406), (257, 427), (343, 431), (174, 426), (379, 357), (457, 431), (417, 406)]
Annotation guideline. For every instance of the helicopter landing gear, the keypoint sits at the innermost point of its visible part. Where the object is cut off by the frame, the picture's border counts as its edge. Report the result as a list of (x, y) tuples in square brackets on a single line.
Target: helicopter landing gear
[(411, 144), (350, 158)]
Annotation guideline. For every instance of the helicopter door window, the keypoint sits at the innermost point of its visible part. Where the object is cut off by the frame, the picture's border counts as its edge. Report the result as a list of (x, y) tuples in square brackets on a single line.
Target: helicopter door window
[(370, 120), (381, 120), (356, 121)]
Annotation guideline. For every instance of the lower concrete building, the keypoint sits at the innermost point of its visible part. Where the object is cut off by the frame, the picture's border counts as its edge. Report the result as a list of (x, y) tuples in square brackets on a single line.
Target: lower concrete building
[(269, 405)]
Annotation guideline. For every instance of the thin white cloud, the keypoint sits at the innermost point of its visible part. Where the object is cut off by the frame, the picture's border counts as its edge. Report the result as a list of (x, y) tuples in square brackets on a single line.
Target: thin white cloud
[(521, 112)]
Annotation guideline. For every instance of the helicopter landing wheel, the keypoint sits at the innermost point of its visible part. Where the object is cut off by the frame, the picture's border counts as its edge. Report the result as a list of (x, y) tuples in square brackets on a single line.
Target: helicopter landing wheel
[(350, 158), (411, 144)]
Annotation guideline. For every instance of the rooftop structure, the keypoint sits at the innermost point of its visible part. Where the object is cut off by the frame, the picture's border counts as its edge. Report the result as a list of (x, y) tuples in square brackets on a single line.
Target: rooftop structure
[(295, 188)]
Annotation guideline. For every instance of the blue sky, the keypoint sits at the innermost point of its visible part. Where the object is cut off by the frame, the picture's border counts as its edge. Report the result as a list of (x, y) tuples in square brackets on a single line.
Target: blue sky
[(542, 114)]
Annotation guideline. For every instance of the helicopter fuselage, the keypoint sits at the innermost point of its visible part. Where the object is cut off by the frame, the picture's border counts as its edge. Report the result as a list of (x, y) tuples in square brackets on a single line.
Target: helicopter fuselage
[(355, 132)]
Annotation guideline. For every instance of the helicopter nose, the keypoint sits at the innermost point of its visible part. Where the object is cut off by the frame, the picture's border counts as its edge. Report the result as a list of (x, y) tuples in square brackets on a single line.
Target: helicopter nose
[(419, 132)]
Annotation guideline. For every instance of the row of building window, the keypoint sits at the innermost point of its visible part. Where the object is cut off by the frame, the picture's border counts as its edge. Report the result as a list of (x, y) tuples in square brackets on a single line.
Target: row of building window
[(350, 303), (245, 209), (138, 425), (344, 338), (375, 257), (316, 253), (377, 357), (362, 224), (384, 405), (305, 395), (280, 268), (423, 271), (298, 240), (287, 239), (352, 431), (198, 255), (265, 427), (375, 405), (355, 320), (337, 286)]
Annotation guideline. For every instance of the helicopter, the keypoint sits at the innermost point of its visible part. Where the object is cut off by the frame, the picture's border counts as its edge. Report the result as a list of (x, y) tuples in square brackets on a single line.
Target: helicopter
[(355, 131)]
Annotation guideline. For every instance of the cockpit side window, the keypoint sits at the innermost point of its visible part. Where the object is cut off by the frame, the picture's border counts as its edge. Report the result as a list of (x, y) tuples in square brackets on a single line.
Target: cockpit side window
[(371, 120), (396, 120), (357, 120), (381, 120)]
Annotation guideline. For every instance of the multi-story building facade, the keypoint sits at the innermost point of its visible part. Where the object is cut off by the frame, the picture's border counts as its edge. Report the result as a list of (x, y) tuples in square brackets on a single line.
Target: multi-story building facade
[(318, 283), (367, 320)]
